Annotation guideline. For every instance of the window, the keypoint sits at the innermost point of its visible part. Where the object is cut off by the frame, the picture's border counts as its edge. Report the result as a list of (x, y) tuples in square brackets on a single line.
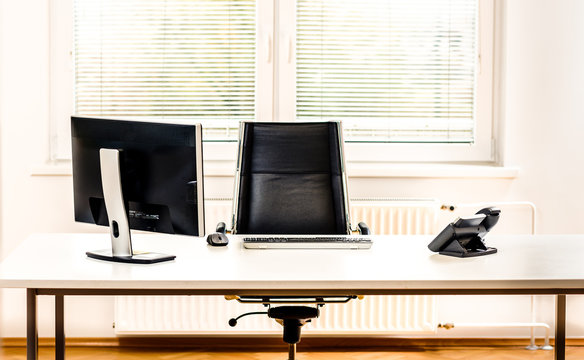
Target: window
[(410, 79), (391, 70), (166, 59)]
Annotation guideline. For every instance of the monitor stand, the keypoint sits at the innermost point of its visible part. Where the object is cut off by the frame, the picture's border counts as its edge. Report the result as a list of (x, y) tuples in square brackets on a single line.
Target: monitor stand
[(121, 251)]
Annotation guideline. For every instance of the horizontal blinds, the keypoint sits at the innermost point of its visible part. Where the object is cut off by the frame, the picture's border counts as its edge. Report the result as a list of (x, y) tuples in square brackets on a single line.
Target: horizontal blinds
[(391, 70), (166, 59)]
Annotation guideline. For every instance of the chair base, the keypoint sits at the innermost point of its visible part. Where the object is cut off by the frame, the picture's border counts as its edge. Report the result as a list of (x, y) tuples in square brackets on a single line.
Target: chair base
[(292, 318)]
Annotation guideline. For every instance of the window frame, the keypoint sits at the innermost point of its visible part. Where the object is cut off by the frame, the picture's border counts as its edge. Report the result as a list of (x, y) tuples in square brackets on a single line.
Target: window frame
[(276, 89), (482, 150), (61, 79)]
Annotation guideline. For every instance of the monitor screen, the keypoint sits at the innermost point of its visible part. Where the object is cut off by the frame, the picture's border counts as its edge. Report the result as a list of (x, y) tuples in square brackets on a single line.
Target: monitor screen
[(160, 170)]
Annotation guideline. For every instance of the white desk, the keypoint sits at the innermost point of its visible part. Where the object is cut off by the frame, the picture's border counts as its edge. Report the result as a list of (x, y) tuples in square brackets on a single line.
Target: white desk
[(55, 264)]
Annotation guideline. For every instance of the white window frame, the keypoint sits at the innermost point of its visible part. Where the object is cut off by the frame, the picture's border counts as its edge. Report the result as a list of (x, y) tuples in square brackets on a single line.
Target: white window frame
[(480, 151), (276, 90), (62, 79), (61, 86)]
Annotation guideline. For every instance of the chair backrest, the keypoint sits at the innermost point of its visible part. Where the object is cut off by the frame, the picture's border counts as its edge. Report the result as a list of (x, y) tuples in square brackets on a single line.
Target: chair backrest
[(290, 179)]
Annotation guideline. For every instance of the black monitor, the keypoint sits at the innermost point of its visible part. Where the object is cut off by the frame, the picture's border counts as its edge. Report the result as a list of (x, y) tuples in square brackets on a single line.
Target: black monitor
[(137, 175)]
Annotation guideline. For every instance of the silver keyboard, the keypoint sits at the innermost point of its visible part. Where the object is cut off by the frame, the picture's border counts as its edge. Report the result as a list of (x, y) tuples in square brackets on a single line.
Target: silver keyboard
[(306, 242)]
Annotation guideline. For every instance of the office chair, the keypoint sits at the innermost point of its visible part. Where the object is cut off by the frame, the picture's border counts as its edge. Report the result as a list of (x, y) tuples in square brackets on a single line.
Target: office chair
[(290, 179)]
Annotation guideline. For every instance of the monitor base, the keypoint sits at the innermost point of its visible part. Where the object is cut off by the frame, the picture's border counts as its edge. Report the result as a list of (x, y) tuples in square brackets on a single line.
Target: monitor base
[(137, 258)]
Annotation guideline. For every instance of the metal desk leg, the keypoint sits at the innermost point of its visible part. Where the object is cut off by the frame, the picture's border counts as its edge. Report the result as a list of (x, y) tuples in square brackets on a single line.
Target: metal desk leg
[(59, 327), (32, 336), (560, 345)]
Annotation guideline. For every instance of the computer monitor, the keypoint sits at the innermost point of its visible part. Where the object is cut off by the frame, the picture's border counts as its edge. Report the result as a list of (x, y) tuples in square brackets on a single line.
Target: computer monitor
[(137, 175)]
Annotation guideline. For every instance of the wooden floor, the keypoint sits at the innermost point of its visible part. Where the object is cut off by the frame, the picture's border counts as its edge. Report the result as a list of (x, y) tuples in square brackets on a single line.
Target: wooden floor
[(116, 353)]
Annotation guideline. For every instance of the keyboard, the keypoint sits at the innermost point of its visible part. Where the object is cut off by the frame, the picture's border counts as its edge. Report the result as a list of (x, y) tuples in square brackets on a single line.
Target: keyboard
[(306, 242)]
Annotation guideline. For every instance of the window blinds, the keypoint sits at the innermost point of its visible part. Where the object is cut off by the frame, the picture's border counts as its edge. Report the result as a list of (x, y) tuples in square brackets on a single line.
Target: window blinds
[(391, 70), (166, 59)]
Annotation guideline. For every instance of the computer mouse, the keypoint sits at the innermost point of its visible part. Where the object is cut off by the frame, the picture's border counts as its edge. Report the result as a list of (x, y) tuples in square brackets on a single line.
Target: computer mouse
[(217, 239)]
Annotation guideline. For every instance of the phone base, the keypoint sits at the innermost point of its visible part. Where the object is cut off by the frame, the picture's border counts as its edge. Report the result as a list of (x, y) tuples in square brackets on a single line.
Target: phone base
[(469, 253)]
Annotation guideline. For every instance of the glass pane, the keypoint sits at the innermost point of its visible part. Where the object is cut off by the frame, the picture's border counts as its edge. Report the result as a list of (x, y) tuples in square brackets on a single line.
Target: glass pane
[(391, 70), (167, 60)]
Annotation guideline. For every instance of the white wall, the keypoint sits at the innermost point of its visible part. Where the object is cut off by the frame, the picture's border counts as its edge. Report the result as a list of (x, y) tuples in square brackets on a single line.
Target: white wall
[(541, 120), (545, 77), (1, 116)]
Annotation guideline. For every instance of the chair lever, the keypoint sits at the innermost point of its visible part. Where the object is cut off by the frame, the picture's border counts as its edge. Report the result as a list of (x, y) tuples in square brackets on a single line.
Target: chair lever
[(220, 227), (363, 229), (233, 321)]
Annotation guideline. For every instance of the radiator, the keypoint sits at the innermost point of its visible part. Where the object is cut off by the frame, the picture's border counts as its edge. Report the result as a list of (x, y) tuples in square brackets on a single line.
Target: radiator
[(396, 216), (374, 315)]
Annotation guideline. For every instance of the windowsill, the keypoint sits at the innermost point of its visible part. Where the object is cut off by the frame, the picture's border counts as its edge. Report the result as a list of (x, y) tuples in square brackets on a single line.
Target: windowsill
[(52, 170), (408, 170), (354, 170)]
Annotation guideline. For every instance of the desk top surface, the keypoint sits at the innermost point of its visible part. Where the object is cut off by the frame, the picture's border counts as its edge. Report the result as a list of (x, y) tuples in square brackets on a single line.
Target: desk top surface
[(400, 263)]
